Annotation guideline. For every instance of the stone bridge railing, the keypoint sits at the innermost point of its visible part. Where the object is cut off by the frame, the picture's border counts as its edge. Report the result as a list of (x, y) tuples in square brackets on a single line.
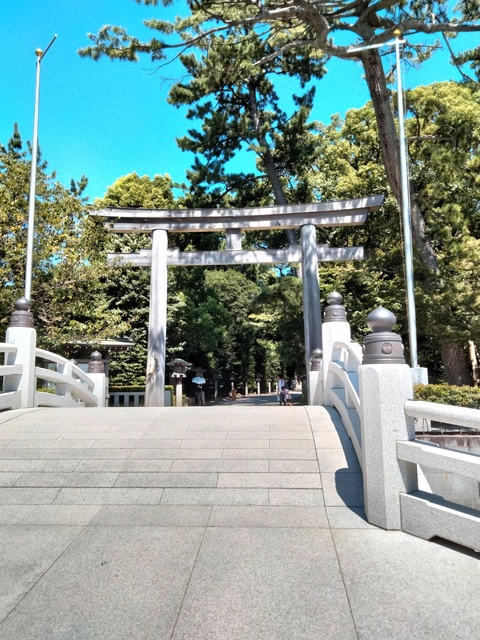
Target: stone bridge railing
[(372, 389), (33, 377)]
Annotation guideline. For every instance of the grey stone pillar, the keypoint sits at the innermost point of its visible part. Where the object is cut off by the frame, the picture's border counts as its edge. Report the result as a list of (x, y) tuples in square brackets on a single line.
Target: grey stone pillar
[(21, 332), (157, 327), (385, 383), (312, 317)]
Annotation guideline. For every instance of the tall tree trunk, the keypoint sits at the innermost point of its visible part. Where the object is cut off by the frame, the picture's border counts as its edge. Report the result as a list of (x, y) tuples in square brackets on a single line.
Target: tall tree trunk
[(268, 160), (455, 363), (380, 95), (473, 359), (453, 356)]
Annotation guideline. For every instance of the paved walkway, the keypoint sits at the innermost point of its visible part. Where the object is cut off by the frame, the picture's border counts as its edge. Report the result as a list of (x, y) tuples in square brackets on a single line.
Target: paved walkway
[(230, 522)]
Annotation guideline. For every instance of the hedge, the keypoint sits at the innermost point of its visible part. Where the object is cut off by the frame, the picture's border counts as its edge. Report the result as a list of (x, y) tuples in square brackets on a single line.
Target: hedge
[(448, 394)]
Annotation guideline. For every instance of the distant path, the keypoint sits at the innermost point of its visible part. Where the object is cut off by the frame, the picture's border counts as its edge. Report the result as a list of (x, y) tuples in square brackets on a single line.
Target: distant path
[(255, 400)]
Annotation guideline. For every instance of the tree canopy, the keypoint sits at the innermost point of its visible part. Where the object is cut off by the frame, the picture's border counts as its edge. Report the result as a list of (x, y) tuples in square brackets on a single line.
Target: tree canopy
[(69, 298), (297, 39)]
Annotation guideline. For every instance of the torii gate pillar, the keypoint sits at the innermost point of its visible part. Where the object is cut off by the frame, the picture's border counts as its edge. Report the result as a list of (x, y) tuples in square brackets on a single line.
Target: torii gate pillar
[(312, 315), (155, 383)]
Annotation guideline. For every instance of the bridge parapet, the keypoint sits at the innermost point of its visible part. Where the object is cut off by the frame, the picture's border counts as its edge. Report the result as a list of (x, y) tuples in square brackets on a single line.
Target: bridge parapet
[(25, 366), (372, 389)]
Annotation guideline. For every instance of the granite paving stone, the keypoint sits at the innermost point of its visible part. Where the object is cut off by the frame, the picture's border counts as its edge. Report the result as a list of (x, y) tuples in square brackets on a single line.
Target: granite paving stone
[(270, 516), (296, 497), (51, 444), (160, 515), (228, 427), (115, 444), (39, 514), (111, 583), (227, 466), (64, 428), (167, 480), (116, 435), (162, 431), (207, 435), (19, 435), (270, 454), (347, 518), (215, 496), (334, 460), (16, 454), (109, 496), (200, 428), (26, 553), (67, 479), (268, 583), (333, 441), (294, 466), (157, 443), (22, 495), (403, 587), (293, 444), (258, 434), (80, 454), (287, 434), (31, 444), (124, 465), (8, 479), (37, 465), (225, 444), (177, 454), (270, 480), (340, 489)]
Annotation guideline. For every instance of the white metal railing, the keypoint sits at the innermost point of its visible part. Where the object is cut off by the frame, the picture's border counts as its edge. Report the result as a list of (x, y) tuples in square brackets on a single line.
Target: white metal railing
[(10, 372), (71, 386), (343, 381)]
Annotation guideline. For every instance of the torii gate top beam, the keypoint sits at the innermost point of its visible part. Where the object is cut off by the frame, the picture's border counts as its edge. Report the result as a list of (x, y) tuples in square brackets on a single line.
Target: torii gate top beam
[(336, 213)]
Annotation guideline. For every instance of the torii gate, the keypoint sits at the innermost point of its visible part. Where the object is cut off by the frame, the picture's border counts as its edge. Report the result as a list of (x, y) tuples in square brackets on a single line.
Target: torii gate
[(159, 222)]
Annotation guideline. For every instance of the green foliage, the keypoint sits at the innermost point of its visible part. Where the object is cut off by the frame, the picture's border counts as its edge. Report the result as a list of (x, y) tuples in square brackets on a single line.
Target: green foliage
[(442, 128), (69, 303), (234, 53), (449, 394)]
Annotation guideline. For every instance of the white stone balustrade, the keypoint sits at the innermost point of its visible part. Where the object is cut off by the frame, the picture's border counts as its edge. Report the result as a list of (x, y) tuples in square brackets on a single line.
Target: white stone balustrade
[(375, 402)]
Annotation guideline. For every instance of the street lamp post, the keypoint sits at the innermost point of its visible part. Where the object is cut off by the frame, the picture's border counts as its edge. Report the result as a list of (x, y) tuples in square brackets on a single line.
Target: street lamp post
[(405, 192), (33, 177), (406, 212)]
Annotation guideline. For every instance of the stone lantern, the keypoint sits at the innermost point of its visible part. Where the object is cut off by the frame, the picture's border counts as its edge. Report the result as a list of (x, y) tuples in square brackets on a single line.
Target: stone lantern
[(179, 372)]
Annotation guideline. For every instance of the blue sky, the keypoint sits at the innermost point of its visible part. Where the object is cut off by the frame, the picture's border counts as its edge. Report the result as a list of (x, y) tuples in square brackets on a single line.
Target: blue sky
[(107, 119)]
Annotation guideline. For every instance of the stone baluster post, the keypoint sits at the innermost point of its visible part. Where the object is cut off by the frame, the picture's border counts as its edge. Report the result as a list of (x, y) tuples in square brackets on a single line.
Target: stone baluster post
[(385, 384), (96, 372), (21, 332), (335, 328)]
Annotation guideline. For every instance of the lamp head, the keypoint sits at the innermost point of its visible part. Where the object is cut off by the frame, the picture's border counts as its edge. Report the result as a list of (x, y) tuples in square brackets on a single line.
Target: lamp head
[(38, 52), (397, 33)]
